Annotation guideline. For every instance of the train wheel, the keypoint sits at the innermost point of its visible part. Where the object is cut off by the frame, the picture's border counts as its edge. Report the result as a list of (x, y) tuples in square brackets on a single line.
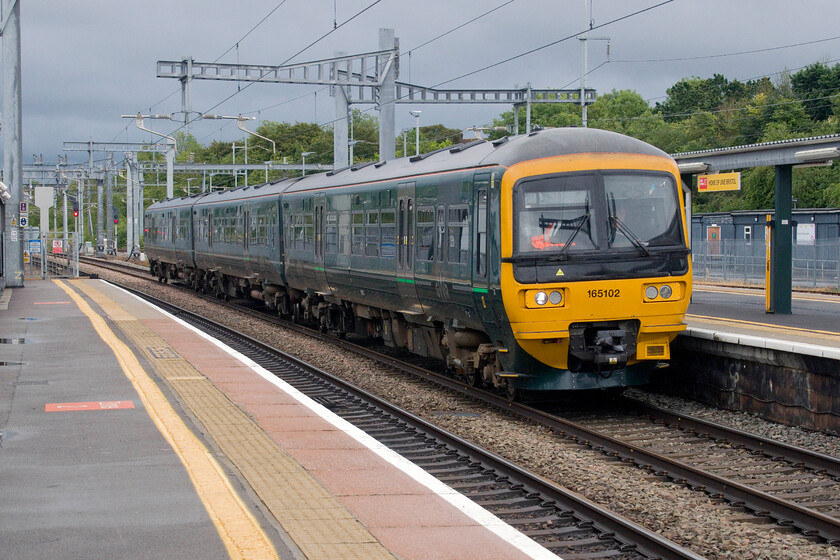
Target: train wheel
[(473, 377), (511, 392)]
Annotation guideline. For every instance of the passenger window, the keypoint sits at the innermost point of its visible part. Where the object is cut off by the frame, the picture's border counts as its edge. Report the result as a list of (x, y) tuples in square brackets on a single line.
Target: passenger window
[(425, 233), (481, 233), (458, 235), (372, 234), (389, 233), (358, 232)]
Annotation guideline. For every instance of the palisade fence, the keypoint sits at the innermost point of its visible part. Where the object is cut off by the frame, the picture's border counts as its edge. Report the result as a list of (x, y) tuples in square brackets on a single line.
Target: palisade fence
[(739, 260)]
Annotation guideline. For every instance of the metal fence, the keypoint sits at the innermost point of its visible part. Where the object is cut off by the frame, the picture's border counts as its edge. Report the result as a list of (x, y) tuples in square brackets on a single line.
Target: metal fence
[(59, 255), (727, 260)]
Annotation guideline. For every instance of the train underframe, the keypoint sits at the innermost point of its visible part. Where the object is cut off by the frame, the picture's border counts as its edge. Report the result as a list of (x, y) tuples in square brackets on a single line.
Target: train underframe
[(467, 353), (594, 352)]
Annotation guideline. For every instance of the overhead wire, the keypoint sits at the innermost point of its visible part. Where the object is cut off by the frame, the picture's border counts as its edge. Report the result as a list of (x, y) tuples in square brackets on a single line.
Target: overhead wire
[(235, 45), (456, 28), (551, 44), (739, 53), (307, 47)]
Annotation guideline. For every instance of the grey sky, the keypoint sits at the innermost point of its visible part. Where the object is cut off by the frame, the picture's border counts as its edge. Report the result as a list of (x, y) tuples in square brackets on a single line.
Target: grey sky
[(87, 62)]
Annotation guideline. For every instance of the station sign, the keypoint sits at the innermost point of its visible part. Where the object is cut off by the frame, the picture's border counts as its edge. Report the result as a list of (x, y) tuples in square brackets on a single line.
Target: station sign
[(719, 182), (806, 234)]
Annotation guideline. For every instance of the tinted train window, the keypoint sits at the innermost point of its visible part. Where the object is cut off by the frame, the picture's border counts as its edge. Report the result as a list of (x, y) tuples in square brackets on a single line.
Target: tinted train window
[(308, 232), (297, 232), (481, 232), (425, 233), (331, 232), (372, 234), (555, 212), (620, 211), (358, 233), (389, 233), (458, 235), (344, 233), (644, 207)]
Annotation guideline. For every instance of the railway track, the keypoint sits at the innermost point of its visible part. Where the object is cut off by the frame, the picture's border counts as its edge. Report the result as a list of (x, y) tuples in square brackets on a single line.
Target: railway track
[(786, 486), (559, 520)]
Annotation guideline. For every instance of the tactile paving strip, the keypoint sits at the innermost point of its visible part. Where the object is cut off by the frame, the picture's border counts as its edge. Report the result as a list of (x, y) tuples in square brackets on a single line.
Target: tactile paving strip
[(295, 499)]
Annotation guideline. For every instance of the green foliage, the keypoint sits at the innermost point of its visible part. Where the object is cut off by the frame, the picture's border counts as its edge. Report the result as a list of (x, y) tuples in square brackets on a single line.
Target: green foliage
[(432, 137), (816, 84), (698, 114)]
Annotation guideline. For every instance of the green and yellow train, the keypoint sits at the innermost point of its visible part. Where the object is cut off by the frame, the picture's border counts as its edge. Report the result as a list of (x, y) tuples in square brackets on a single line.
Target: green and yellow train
[(556, 260)]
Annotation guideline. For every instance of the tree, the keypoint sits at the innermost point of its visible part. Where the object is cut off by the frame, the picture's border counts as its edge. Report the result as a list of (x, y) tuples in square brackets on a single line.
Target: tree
[(817, 85), (691, 95)]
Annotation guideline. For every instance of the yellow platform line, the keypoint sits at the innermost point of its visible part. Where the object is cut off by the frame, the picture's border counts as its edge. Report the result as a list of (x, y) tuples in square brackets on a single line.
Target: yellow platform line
[(766, 326), (799, 296), (238, 529), (315, 520)]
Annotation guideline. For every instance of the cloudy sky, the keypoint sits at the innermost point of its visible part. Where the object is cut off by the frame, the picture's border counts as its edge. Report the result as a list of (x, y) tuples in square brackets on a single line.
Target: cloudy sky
[(86, 62)]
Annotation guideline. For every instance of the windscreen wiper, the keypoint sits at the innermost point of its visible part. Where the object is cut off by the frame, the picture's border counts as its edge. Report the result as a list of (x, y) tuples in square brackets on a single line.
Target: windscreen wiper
[(629, 234), (562, 254)]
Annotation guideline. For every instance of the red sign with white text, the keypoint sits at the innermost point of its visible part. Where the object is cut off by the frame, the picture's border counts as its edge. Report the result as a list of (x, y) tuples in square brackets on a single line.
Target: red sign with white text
[(99, 405)]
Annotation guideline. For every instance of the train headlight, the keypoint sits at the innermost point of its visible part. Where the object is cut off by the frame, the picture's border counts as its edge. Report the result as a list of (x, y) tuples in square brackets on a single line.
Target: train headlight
[(555, 298), (651, 292), (665, 291), (540, 298)]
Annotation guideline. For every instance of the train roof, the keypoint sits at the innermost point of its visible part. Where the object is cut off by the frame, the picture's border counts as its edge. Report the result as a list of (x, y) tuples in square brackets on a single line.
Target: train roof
[(481, 153), (252, 191)]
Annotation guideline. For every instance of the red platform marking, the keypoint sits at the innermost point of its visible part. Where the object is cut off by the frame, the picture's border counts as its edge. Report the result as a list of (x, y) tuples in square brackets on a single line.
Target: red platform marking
[(100, 405)]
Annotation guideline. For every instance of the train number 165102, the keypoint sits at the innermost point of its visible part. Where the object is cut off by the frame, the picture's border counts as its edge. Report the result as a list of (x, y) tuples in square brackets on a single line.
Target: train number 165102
[(610, 293)]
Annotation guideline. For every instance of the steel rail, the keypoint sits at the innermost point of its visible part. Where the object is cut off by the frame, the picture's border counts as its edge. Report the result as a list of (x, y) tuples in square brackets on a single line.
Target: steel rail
[(817, 462), (810, 522), (611, 525)]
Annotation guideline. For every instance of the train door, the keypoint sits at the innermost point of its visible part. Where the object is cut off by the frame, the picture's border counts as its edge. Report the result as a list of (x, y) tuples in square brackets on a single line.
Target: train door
[(481, 241), (320, 272), (251, 263), (246, 230), (405, 248)]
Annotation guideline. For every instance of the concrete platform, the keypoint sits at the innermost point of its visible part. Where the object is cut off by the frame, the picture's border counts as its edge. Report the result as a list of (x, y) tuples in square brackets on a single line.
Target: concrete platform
[(737, 316), (126, 433), (782, 367)]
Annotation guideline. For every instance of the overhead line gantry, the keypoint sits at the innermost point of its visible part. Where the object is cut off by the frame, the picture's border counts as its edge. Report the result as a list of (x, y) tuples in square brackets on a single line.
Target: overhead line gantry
[(363, 78)]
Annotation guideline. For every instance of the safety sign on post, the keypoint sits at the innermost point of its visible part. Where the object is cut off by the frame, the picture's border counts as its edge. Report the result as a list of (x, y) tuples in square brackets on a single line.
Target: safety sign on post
[(57, 247)]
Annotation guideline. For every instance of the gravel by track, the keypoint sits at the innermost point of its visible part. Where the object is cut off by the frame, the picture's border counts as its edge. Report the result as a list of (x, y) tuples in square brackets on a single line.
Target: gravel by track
[(684, 516)]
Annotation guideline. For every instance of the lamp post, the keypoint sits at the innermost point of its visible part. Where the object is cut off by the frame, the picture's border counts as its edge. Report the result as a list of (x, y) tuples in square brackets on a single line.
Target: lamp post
[(405, 141), (416, 115), (303, 158), (352, 143), (235, 172)]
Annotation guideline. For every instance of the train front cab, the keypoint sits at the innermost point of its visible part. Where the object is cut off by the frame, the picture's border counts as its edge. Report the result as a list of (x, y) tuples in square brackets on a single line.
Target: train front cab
[(596, 276)]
